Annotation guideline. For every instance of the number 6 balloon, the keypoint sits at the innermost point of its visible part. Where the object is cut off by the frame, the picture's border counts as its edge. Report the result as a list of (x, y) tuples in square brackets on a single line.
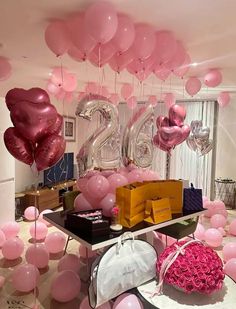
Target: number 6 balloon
[(137, 145), (89, 156)]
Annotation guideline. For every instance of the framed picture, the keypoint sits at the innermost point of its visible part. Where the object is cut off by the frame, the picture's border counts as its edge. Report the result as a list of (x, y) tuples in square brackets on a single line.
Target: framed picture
[(69, 128)]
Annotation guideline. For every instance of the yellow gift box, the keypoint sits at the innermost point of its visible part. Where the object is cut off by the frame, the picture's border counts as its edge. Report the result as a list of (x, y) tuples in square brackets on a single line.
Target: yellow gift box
[(158, 211)]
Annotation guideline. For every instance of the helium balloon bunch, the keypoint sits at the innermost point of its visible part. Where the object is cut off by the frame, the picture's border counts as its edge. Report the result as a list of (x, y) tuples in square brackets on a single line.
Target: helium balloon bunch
[(35, 136), (198, 140), (171, 131)]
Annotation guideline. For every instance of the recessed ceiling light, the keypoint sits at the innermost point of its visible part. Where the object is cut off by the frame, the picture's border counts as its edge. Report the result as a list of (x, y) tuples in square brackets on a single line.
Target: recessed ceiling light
[(194, 64)]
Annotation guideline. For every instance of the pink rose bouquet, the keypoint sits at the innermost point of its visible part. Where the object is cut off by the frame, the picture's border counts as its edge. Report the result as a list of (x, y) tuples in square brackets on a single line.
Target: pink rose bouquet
[(197, 268)]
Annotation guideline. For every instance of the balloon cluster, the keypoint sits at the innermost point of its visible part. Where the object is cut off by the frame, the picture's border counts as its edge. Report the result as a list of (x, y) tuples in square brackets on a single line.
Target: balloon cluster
[(99, 188), (103, 36), (198, 140), (35, 135), (171, 131)]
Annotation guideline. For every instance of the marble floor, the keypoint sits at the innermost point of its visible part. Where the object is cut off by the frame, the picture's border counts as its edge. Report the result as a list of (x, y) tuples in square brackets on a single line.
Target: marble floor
[(11, 299)]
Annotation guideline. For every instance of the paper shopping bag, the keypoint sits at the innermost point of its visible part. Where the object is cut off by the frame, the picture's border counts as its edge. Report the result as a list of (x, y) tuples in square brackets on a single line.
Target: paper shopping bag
[(192, 200), (158, 211)]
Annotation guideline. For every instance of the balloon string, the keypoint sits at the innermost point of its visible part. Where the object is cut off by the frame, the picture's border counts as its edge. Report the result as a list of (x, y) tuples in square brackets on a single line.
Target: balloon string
[(152, 84), (183, 87), (99, 68), (115, 85)]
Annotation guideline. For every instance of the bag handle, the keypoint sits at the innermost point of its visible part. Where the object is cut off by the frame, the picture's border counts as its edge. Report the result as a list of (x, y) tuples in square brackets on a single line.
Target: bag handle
[(125, 236)]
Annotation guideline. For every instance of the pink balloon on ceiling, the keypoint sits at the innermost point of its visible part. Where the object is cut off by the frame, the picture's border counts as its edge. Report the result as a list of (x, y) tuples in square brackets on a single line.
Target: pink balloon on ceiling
[(101, 21), (213, 78), (165, 45), (125, 33), (152, 99), (76, 54), (144, 42), (92, 87), (193, 86), (223, 99), (162, 73), (101, 54), (126, 91), (57, 37), (114, 98), (178, 59), (120, 61), (69, 82), (58, 74), (5, 68), (183, 69)]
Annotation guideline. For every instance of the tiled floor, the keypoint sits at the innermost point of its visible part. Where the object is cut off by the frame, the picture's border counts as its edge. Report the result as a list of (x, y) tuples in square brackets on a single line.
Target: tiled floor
[(10, 299)]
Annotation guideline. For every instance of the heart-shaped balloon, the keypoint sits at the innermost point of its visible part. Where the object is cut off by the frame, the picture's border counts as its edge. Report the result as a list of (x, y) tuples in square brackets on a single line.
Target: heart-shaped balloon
[(49, 151), (177, 115), (33, 120), (196, 126), (18, 146), (203, 133), (56, 127), (33, 95), (206, 148), (191, 143), (170, 136), (185, 131), (158, 143), (162, 122)]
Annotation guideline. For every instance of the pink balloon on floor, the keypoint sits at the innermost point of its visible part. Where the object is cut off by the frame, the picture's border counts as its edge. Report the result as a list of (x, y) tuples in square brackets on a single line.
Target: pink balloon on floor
[(2, 238), (127, 300), (65, 286), (83, 253), (229, 251), (55, 242), (213, 237), (37, 255), (222, 231), (31, 213), (232, 227), (199, 232), (12, 248), (205, 199), (38, 231), (85, 305), (69, 262), (219, 204), (40, 218), (230, 268), (10, 229), (25, 278), (218, 220)]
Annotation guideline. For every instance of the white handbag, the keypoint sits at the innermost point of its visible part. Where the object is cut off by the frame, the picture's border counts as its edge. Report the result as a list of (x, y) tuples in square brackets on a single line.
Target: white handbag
[(123, 266)]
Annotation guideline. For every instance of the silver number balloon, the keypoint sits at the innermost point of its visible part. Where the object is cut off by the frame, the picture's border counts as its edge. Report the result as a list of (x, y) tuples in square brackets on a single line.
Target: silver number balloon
[(89, 156), (137, 144)]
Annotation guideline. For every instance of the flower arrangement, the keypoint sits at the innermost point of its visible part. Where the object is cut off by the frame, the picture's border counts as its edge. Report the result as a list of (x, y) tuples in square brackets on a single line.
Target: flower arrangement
[(115, 211), (197, 268)]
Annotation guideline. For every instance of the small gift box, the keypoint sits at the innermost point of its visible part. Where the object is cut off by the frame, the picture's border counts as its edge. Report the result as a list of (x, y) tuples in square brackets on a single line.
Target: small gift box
[(89, 222)]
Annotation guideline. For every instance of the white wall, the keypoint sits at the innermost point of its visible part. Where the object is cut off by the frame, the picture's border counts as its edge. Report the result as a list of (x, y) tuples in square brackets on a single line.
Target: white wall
[(226, 142)]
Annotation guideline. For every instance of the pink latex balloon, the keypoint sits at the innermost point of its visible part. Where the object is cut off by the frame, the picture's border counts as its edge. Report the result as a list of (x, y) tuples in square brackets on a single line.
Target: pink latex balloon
[(183, 69), (209, 205), (40, 218), (193, 86), (55, 242), (25, 278), (57, 37), (5, 68), (31, 213), (38, 232), (52, 88), (37, 255), (126, 91), (65, 286), (114, 98), (120, 61), (10, 229), (2, 238), (150, 175), (49, 151), (230, 268), (213, 237), (132, 102), (82, 184), (125, 33), (101, 21), (69, 262), (58, 74), (98, 186), (218, 220), (232, 227), (229, 251), (92, 88), (219, 204), (81, 203), (223, 99), (69, 97), (169, 99), (18, 146), (116, 180), (102, 54), (222, 231), (127, 300), (12, 248), (165, 45), (178, 59), (86, 253), (135, 175), (2, 281), (213, 78), (162, 73), (85, 304), (152, 99), (76, 54), (144, 42), (199, 232), (142, 75), (107, 203), (69, 82)]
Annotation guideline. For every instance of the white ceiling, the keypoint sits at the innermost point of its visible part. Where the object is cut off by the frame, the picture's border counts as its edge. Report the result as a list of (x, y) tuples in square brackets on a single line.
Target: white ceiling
[(207, 29)]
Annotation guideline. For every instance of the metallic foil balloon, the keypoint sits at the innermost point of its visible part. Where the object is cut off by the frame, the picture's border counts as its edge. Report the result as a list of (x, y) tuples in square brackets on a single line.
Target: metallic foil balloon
[(177, 115), (18, 146), (49, 151), (207, 147), (56, 127), (33, 95), (89, 156), (33, 120), (191, 143), (137, 146), (158, 143)]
